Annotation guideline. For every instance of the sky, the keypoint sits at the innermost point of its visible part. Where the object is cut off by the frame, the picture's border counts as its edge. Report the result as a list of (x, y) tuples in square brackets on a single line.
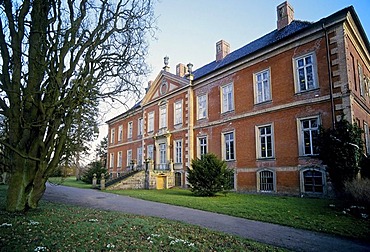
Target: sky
[(189, 29)]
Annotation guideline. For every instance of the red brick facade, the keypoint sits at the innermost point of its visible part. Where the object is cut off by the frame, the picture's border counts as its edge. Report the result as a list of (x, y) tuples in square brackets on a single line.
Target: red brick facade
[(258, 108)]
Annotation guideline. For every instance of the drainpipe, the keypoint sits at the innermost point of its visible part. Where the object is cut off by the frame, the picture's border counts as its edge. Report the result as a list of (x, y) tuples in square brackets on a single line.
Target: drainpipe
[(330, 76)]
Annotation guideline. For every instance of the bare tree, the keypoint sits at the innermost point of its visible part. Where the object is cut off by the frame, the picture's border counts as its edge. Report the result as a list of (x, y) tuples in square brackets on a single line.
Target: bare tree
[(57, 57)]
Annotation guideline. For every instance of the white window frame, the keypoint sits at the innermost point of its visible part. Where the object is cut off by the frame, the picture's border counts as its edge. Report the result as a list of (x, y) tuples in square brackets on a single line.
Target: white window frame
[(111, 160), (120, 133), (227, 98), (202, 146), (361, 79), (227, 144), (262, 185), (129, 129), (119, 159), (262, 86), (202, 108), (129, 157), (177, 120), (162, 116), (177, 151), (112, 135), (140, 126), (301, 137), (150, 151), (304, 68), (151, 121), (139, 156), (262, 140)]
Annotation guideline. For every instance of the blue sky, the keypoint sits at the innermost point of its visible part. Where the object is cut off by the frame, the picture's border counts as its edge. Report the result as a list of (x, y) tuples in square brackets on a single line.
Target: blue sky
[(190, 29)]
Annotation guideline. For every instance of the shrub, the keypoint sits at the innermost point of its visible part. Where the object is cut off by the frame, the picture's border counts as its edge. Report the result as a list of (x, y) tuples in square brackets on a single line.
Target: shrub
[(357, 191), (97, 168), (209, 175)]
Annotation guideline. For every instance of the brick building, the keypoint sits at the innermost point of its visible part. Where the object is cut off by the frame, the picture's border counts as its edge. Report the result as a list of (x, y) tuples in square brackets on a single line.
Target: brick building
[(259, 107)]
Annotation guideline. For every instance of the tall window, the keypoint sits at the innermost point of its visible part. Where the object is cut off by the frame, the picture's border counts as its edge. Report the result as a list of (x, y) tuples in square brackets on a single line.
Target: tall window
[(265, 142), (178, 151), (139, 156), (229, 146), (140, 127), (162, 117), (119, 159), (309, 129), (305, 73), (202, 106), (150, 150), (129, 130), (178, 113), (120, 133), (227, 98), (367, 138), (111, 160), (162, 156), (313, 181), (266, 180), (151, 121), (361, 79), (129, 157), (262, 86), (202, 145), (112, 135)]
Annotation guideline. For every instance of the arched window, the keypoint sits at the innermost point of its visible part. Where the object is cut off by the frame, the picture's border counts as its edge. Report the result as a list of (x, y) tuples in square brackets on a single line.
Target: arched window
[(266, 181), (313, 181)]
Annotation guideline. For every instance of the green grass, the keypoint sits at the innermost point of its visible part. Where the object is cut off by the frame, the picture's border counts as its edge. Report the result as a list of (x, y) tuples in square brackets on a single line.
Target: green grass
[(304, 213), (69, 181), (57, 227)]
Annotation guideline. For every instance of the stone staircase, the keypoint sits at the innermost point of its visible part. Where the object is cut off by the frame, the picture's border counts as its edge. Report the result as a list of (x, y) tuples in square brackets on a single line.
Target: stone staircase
[(131, 180)]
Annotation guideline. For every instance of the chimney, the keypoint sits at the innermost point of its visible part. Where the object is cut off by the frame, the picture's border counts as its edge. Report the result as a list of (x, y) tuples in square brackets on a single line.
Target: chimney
[(285, 15), (222, 49), (181, 70), (148, 87)]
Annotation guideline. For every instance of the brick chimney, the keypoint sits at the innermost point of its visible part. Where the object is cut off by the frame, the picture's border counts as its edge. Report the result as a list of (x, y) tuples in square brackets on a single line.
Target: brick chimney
[(222, 49), (285, 15), (181, 70)]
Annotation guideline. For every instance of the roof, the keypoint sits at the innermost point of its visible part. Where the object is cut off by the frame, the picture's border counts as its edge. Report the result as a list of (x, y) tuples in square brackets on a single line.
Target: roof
[(294, 28)]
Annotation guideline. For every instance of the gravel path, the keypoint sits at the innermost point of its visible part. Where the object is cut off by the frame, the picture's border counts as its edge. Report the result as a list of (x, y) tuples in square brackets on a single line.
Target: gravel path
[(281, 236)]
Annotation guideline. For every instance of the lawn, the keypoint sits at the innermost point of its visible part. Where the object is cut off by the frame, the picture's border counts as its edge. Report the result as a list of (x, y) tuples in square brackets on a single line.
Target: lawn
[(57, 227), (321, 215), (69, 181)]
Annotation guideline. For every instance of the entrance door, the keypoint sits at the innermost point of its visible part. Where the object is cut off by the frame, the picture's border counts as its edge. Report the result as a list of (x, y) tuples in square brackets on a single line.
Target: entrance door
[(161, 182)]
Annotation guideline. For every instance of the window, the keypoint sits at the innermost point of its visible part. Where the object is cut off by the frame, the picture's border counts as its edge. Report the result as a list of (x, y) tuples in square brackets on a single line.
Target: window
[(367, 138), (139, 156), (151, 121), (112, 135), (354, 71), (227, 98), (140, 127), (229, 148), (150, 149), (178, 179), (202, 146), (162, 117), (305, 73), (202, 106), (262, 86), (129, 157), (266, 181), (313, 181), (162, 156), (120, 133), (178, 113), (361, 79), (119, 159), (265, 142), (129, 130), (178, 151), (309, 129), (111, 160)]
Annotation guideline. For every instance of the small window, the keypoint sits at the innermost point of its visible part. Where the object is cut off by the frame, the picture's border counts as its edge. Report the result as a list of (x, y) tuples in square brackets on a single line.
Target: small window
[(262, 86), (266, 181), (309, 130), (227, 98), (313, 181), (129, 130), (305, 70), (178, 113), (202, 106), (151, 121), (229, 146)]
